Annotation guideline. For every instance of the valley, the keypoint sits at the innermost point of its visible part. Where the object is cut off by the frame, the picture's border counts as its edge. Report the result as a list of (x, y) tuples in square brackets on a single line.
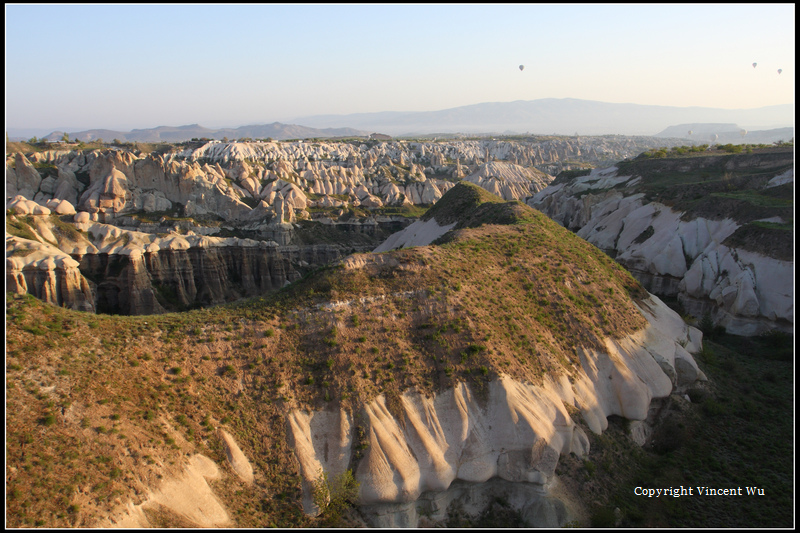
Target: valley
[(198, 336)]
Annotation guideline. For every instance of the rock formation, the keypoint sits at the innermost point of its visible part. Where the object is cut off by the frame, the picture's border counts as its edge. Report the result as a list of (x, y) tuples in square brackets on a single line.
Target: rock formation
[(672, 252), (46, 272), (187, 494), (509, 181), (419, 460), (116, 271), (263, 189), (233, 177)]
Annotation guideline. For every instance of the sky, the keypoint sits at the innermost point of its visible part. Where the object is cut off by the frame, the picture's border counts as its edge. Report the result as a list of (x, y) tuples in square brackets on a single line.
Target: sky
[(73, 67)]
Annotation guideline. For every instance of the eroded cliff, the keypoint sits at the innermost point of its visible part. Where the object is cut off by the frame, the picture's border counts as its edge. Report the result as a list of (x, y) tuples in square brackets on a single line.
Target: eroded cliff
[(102, 268), (715, 232), (422, 456)]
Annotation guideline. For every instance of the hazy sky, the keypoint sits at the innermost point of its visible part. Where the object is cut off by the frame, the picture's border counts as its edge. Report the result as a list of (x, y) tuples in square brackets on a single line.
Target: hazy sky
[(141, 66)]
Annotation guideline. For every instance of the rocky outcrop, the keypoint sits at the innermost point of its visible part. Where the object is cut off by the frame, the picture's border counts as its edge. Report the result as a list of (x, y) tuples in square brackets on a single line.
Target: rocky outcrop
[(673, 253), (509, 181), (264, 189), (236, 458), (419, 233), (110, 270), (47, 273), (186, 494), (180, 273), (743, 291), (429, 453), (19, 205), (21, 177), (229, 180)]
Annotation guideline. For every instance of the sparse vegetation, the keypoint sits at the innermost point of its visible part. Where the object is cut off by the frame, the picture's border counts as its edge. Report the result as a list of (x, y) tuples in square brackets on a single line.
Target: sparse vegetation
[(720, 438), (333, 496), (514, 299)]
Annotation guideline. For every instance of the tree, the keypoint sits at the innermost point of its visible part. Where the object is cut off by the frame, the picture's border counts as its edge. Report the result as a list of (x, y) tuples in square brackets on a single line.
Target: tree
[(33, 140), (334, 496), (65, 137)]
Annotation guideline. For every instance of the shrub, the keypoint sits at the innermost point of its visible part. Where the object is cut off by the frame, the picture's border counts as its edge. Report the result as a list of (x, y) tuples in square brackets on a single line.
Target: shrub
[(603, 517), (706, 324), (713, 408), (334, 496), (669, 436)]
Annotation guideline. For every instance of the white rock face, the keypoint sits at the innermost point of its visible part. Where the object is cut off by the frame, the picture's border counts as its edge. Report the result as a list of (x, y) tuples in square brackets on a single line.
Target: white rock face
[(419, 233), (187, 494), (748, 293), (61, 207), (509, 181), (46, 272), (19, 205), (233, 174), (236, 458), (22, 179), (516, 434), (744, 285)]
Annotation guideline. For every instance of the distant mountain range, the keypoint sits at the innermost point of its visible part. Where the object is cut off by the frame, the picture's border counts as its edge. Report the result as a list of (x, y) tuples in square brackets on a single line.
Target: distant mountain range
[(275, 131), (565, 116), (726, 133)]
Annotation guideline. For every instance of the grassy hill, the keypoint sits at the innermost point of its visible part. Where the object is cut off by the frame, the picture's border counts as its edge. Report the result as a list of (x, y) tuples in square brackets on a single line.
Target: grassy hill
[(100, 405), (99, 408)]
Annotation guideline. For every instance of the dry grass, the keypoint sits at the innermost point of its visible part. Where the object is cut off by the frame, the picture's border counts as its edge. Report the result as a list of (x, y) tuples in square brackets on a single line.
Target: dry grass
[(102, 407)]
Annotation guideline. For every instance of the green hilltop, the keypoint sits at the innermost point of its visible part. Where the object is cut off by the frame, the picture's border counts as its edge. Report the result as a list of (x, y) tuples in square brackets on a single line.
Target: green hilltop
[(470, 206)]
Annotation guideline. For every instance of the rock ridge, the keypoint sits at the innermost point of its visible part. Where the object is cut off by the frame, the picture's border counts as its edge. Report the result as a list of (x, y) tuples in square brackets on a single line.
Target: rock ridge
[(674, 253), (412, 453)]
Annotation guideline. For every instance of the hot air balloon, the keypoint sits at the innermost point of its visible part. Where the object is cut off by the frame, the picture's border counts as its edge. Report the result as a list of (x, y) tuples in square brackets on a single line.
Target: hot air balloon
[(754, 65), (522, 67), (743, 132), (690, 133), (780, 70)]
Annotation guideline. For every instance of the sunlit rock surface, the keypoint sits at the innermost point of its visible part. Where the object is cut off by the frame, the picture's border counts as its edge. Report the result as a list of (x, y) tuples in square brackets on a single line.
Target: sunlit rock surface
[(744, 291), (428, 452)]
